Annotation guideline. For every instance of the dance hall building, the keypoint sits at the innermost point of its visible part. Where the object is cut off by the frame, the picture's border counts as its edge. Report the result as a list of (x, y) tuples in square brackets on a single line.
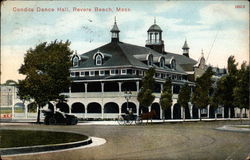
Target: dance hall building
[(102, 76)]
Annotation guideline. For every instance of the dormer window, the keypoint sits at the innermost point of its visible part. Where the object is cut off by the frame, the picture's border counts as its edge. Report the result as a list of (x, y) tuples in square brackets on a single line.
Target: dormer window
[(75, 61), (150, 60), (98, 60), (173, 64), (162, 62)]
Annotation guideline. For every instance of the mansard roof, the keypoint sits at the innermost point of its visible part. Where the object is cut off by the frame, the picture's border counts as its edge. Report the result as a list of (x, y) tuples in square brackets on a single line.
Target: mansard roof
[(124, 54)]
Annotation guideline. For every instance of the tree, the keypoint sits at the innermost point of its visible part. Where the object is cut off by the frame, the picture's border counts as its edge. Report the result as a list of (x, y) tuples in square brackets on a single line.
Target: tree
[(241, 90), (184, 98), (166, 96), (226, 85), (200, 96), (10, 82), (145, 96), (47, 73)]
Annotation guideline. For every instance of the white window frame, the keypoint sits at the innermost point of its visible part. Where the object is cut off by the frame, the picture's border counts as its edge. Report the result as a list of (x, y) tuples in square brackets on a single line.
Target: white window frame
[(74, 74), (82, 75), (140, 72), (75, 61), (150, 60), (98, 58), (125, 73), (133, 72), (162, 63), (91, 75), (112, 73), (100, 73)]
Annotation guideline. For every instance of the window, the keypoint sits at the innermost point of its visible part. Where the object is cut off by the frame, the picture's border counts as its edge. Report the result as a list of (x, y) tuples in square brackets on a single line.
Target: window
[(91, 73), (173, 64), (75, 61), (77, 74), (112, 72), (150, 60), (98, 60), (134, 72), (72, 74), (82, 74), (141, 73), (101, 73), (123, 72), (162, 62)]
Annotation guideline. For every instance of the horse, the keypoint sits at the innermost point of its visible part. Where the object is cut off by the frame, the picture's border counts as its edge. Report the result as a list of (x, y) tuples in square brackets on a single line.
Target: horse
[(148, 115)]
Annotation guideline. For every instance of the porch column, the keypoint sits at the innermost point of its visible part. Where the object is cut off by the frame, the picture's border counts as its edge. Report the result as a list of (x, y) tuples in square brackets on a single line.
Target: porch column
[(120, 110), (137, 109), (69, 91), (120, 86), (172, 88), (86, 89), (182, 112), (208, 109), (229, 113), (222, 112), (102, 111), (149, 109), (235, 112), (13, 110), (191, 111), (86, 111), (102, 84), (26, 110), (161, 87), (69, 109), (161, 111), (172, 112), (137, 86), (199, 113)]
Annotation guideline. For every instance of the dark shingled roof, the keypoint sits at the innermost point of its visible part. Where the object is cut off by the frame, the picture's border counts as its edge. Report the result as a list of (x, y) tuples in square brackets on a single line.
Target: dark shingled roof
[(185, 46), (123, 54), (154, 27), (115, 28)]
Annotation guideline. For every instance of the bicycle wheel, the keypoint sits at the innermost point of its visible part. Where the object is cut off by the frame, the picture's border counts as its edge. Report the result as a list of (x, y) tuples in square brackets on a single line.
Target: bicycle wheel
[(120, 120)]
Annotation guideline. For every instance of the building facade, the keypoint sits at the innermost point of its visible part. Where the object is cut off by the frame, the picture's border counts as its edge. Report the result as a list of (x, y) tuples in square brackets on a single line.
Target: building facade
[(103, 77), (107, 79)]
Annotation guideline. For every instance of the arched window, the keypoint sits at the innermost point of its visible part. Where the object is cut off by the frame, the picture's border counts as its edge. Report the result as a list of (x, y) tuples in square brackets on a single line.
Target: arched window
[(150, 60), (98, 60), (75, 61), (162, 62), (173, 64)]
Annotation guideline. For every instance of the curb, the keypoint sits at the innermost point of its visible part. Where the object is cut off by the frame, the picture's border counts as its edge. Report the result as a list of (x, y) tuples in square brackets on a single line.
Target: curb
[(43, 148)]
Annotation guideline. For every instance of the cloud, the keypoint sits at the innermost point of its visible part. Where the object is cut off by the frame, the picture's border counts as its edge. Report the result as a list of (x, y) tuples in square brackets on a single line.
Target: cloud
[(215, 13), (11, 59), (165, 6), (63, 25)]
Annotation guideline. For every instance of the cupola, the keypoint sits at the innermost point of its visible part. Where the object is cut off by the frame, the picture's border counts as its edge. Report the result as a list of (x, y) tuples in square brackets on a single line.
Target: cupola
[(154, 40), (115, 32)]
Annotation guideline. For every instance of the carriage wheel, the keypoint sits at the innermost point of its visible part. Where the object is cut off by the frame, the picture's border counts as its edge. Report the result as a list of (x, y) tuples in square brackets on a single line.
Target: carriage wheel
[(128, 120), (120, 120), (138, 120), (52, 121)]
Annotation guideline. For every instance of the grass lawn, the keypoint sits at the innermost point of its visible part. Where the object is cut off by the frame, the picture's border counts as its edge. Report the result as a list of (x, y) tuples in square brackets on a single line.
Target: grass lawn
[(21, 138), (8, 110)]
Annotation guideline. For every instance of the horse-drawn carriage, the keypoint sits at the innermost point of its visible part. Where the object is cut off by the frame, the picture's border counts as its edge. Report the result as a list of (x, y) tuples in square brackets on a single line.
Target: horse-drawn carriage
[(130, 118)]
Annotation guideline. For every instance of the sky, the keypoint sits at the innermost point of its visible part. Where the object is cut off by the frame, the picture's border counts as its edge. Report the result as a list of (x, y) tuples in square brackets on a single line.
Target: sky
[(219, 28)]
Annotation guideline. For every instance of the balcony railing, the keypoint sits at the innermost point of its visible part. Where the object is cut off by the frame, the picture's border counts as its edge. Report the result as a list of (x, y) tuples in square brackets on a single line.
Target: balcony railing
[(107, 95), (154, 41)]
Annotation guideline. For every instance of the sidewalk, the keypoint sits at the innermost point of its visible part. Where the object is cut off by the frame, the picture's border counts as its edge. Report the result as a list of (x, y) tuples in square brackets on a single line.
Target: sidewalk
[(113, 122)]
